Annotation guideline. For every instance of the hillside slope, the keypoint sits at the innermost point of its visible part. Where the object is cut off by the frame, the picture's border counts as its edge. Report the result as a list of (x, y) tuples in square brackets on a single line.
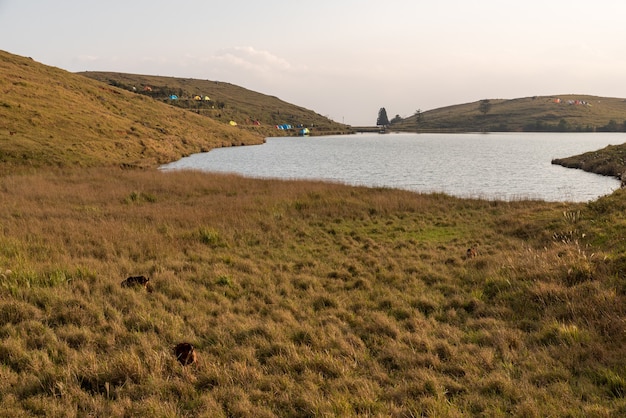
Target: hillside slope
[(49, 116), (224, 102), (563, 113)]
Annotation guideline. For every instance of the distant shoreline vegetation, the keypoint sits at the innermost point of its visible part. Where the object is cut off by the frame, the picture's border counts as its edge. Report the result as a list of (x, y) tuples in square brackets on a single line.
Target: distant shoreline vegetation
[(563, 126)]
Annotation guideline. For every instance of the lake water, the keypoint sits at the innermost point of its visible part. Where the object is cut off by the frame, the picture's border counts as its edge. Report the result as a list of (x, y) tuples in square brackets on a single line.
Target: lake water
[(502, 166)]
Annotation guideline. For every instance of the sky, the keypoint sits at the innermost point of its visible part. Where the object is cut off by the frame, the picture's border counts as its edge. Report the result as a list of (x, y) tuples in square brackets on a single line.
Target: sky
[(344, 59)]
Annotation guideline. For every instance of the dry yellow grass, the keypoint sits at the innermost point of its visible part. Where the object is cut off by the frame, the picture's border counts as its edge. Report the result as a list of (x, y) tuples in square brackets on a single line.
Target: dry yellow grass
[(51, 117), (302, 299)]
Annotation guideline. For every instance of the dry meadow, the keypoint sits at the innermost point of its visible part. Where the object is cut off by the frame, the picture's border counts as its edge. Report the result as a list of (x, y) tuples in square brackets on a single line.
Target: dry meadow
[(304, 299)]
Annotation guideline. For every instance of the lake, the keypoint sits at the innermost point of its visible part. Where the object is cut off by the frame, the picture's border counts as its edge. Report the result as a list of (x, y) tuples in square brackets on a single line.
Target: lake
[(493, 166)]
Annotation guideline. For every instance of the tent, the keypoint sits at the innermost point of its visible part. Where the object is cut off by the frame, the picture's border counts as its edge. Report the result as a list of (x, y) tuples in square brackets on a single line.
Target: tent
[(304, 131), (233, 123), (173, 97), (206, 98), (197, 98)]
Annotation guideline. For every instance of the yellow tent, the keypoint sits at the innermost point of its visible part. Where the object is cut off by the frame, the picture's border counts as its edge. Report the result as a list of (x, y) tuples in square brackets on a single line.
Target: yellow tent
[(233, 123)]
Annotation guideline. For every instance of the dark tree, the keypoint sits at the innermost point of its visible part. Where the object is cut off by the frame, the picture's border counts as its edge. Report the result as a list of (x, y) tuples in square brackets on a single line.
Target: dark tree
[(382, 120), (419, 117), (485, 106), (563, 126), (612, 126), (396, 119)]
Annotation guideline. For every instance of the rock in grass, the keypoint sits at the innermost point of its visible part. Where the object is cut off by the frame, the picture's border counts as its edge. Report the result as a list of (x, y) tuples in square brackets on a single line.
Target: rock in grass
[(137, 281), (185, 354)]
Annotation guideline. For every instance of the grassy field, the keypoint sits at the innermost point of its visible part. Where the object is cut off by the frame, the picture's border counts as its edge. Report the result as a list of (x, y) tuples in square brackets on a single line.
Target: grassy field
[(302, 299)]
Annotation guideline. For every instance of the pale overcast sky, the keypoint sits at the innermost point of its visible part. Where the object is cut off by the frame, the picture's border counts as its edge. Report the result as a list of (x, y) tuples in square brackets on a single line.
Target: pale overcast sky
[(344, 59)]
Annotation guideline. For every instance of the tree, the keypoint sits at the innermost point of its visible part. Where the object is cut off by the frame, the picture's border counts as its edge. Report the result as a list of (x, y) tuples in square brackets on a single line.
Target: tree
[(485, 106), (611, 126), (419, 117), (564, 126), (382, 120), (396, 119)]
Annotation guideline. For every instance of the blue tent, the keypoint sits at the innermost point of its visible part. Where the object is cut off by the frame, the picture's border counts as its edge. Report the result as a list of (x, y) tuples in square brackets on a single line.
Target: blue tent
[(173, 97)]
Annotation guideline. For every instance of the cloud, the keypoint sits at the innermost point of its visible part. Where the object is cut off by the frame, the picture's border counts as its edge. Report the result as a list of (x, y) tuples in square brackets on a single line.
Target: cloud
[(87, 58), (252, 61)]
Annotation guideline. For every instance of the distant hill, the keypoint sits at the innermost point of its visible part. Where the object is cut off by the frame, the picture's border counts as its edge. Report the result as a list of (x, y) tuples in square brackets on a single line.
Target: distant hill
[(224, 102), (559, 113)]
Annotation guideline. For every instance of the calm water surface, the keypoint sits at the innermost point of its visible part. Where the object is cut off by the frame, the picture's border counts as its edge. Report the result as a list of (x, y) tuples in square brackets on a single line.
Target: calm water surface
[(491, 166)]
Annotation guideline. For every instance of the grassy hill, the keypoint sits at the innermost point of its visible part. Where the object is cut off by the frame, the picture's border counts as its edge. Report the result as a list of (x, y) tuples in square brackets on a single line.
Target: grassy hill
[(302, 298), (564, 113), (52, 117), (226, 102)]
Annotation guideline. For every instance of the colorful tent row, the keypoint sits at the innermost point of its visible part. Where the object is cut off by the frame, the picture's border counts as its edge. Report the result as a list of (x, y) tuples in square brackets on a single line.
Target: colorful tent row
[(573, 102), (198, 98)]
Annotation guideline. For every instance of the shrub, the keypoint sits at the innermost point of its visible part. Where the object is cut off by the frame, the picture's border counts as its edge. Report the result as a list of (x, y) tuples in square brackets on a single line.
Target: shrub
[(210, 237), (613, 382)]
